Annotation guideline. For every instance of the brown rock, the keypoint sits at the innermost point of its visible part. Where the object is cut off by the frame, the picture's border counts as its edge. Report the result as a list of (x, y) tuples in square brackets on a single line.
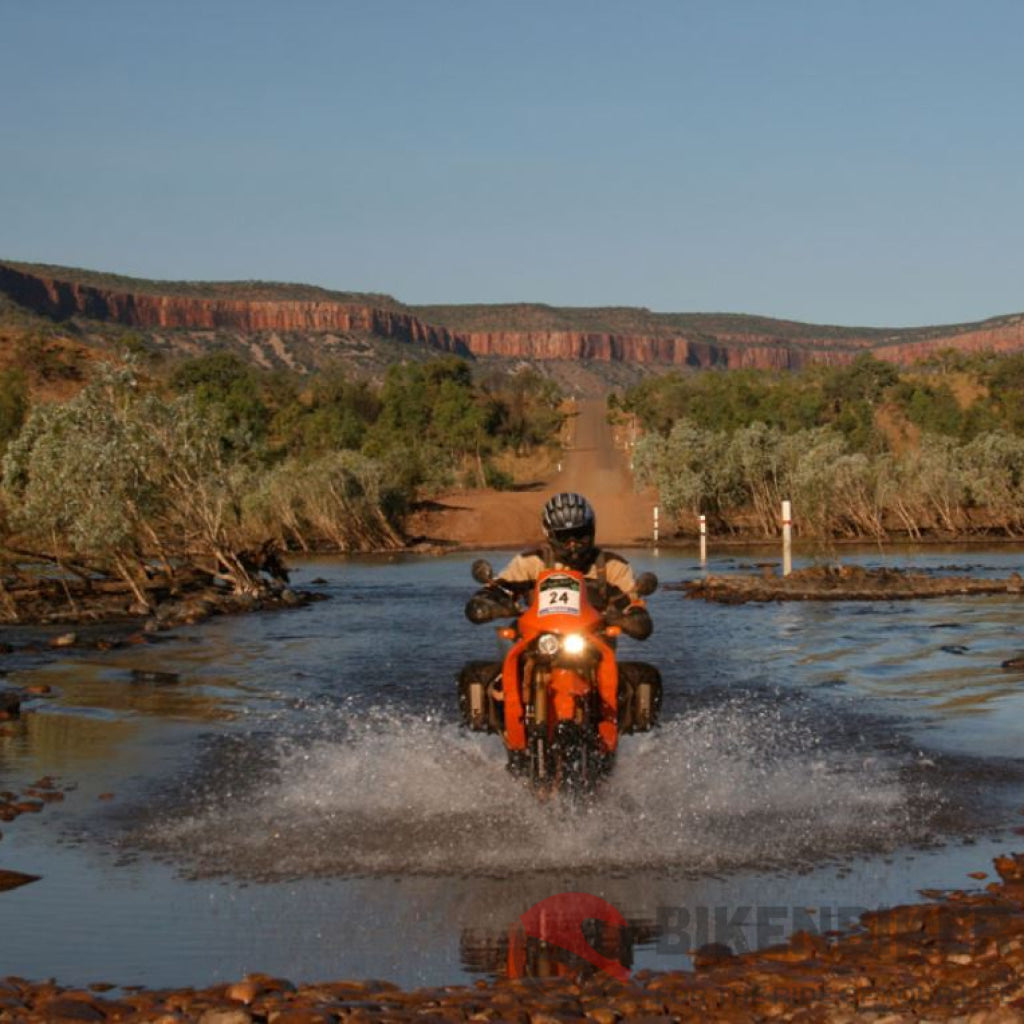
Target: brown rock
[(225, 1016), (47, 796), (302, 1015), (270, 983), (243, 991), (711, 954), (13, 879), (997, 1015), (66, 1008)]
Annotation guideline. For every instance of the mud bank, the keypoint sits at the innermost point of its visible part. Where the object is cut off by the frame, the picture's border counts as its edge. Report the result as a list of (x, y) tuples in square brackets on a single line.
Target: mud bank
[(959, 956), (48, 624), (841, 583), (52, 599)]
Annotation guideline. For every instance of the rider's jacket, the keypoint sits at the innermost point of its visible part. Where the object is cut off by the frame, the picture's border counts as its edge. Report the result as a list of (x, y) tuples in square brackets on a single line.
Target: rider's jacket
[(611, 589), (612, 577)]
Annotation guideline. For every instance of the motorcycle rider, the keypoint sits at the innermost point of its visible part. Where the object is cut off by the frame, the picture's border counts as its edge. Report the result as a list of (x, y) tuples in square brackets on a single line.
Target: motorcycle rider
[(570, 528)]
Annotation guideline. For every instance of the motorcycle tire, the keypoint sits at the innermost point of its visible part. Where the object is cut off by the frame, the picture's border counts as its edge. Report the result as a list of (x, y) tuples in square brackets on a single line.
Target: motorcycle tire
[(574, 761), (539, 763)]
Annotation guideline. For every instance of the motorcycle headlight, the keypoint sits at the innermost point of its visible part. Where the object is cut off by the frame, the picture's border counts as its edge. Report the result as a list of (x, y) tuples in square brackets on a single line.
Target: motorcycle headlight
[(574, 643), (547, 643)]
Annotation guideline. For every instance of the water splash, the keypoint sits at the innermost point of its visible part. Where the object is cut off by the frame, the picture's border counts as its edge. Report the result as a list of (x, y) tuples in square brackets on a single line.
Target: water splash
[(725, 787)]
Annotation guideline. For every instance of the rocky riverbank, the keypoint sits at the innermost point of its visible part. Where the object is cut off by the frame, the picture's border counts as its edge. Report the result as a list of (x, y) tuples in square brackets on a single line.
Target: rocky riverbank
[(958, 957)]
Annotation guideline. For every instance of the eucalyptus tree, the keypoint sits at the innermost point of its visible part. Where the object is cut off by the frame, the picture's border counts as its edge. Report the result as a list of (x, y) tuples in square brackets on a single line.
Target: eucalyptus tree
[(119, 478)]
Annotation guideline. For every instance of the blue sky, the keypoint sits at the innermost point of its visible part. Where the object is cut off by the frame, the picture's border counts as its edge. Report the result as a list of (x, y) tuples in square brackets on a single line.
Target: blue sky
[(856, 162)]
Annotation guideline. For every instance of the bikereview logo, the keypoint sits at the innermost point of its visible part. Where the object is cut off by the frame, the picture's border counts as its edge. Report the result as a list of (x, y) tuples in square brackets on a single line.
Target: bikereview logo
[(564, 923)]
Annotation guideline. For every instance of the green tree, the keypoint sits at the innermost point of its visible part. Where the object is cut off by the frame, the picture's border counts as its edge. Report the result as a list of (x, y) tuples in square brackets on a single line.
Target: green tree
[(224, 380), (866, 379), (527, 410), (931, 407)]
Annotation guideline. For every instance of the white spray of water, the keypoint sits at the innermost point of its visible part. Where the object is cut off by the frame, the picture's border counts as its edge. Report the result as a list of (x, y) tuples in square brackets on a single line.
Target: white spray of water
[(723, 788)]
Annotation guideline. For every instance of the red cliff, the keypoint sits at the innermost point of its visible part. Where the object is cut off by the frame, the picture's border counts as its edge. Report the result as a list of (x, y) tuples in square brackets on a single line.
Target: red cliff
[(780, 346)]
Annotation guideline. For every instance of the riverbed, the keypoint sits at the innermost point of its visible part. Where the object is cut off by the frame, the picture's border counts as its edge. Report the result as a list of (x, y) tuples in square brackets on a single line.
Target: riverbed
[(290, 792)]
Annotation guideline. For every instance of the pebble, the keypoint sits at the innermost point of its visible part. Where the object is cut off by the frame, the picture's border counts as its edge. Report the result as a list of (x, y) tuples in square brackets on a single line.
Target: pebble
[(225, 1017), (243, 991)]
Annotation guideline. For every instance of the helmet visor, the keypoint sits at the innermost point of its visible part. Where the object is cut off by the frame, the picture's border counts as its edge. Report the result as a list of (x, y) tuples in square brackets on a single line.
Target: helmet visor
[(574, 534)]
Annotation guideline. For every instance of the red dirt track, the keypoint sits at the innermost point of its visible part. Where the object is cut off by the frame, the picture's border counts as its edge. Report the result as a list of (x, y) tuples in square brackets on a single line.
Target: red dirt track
[(591, 465)]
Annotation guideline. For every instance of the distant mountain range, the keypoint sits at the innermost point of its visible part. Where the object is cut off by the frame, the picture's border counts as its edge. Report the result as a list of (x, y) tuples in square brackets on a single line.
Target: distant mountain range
[(302, 326)]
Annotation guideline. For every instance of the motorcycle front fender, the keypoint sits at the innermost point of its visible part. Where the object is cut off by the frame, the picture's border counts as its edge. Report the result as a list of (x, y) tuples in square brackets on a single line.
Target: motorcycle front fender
[(515, 727)]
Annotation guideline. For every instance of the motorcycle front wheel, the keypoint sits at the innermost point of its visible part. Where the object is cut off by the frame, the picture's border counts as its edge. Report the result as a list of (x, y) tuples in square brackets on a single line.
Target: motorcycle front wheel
[(574, 760)]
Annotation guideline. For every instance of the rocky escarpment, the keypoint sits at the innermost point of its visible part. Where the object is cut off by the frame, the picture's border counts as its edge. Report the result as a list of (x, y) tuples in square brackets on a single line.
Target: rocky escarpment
[(641, 339), (63, 299)]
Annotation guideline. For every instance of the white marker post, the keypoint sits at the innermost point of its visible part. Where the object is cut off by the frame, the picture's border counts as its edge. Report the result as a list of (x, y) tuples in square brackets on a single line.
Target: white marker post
[(703, 540), (787, 538), (655, 525)]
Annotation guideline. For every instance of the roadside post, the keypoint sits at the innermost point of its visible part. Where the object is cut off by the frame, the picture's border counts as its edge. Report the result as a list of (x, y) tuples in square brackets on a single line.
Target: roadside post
[(787, 538), (655, 525), (703, 540)]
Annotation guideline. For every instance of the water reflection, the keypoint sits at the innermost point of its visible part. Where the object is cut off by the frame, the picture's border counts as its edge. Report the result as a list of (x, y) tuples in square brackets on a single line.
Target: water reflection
[(47, 744), (572, 934)]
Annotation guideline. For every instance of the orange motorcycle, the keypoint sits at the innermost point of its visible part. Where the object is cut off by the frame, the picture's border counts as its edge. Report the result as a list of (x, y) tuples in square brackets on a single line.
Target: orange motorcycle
[(560, 699)]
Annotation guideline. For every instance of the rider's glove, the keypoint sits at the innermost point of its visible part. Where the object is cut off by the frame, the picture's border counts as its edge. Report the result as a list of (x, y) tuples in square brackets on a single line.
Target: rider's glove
[(490, 603), (635, 621), (479, 609)]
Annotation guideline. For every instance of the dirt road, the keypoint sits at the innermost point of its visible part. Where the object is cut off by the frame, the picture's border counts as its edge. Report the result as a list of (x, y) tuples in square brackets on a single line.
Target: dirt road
[(591, 465)]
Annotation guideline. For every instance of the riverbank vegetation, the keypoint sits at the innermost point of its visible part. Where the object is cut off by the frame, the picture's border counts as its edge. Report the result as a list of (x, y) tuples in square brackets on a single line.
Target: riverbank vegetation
[(153, 474), (865, 451)]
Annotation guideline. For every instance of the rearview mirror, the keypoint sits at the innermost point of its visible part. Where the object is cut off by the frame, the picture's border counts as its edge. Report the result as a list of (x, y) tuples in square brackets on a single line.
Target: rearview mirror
[(482, 571), (647, 583)]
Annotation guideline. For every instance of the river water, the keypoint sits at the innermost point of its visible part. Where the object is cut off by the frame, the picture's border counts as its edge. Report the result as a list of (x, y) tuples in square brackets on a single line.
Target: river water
[(290, 792)]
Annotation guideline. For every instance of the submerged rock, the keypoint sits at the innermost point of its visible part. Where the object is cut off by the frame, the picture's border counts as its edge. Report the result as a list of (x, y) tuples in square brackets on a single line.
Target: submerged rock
[(840, 583), (10, 704), (14, 879)]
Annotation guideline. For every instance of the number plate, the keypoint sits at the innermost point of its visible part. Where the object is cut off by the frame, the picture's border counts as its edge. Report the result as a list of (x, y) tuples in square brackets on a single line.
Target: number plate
[(559, 595)]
